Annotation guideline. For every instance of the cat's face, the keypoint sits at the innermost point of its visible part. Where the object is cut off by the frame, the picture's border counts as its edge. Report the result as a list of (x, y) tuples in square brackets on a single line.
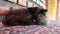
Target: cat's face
[(40, 13)]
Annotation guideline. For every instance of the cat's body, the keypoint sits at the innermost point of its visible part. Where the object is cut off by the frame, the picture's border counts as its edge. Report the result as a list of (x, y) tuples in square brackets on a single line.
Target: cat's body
[(29, 16)]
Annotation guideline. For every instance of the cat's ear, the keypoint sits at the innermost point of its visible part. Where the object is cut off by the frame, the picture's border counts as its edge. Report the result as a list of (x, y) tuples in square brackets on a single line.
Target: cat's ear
[(43, 10), (32, 8), (29, 8)]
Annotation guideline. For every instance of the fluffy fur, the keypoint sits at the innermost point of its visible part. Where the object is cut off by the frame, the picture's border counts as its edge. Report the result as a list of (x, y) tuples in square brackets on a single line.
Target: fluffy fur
[(29, 16)]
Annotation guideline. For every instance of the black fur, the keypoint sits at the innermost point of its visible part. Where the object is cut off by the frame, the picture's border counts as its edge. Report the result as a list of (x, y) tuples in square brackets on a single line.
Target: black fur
[(25, 16)]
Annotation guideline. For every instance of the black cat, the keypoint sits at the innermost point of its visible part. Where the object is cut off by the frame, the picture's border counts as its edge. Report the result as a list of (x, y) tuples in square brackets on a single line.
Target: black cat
[(29, 16)]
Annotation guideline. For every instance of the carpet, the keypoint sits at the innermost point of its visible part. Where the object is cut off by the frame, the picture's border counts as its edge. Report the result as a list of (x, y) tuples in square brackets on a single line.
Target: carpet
[(53, 28)]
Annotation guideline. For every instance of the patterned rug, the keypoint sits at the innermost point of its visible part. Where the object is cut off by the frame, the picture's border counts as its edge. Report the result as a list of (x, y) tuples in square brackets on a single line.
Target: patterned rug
[(53, 28)]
